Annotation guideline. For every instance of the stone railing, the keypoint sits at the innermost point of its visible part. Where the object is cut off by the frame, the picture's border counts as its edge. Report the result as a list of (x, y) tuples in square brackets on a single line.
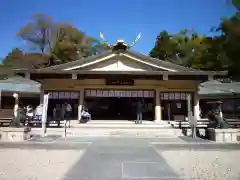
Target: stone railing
[(14, 134), (223, 135)]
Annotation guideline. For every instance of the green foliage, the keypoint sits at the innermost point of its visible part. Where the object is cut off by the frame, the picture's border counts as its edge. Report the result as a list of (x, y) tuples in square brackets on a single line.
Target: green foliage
[(189, 49), (165, 47), (60, 42), (18, 59)]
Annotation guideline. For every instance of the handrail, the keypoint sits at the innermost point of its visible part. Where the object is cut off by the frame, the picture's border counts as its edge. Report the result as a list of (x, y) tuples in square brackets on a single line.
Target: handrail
[(65, 128)]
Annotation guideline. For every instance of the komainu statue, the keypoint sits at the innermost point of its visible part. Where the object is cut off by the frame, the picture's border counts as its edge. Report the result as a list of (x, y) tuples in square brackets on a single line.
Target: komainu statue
[(214, 114)]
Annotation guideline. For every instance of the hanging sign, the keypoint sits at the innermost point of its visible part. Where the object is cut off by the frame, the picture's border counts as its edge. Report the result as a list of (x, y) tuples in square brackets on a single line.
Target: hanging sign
[(174, 96), (119, 93), (63, 95)]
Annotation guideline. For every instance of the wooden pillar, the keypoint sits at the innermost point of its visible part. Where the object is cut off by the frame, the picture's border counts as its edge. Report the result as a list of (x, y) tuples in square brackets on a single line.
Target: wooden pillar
[(80, 104), (158, 109)]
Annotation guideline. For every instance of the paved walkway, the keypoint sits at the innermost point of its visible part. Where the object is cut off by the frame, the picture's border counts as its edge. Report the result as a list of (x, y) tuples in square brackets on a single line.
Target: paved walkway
[(118, 159)]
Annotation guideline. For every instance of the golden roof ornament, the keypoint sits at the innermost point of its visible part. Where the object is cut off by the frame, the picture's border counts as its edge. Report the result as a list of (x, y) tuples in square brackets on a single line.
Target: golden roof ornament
[(120, 45)]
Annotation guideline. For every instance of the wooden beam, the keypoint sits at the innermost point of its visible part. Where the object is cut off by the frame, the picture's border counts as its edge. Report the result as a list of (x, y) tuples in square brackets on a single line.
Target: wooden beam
[(165, 77), (210, 77), (74, 76)]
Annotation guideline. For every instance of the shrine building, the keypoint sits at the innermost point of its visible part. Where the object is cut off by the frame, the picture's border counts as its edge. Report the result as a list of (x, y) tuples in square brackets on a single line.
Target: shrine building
[(110, 84)]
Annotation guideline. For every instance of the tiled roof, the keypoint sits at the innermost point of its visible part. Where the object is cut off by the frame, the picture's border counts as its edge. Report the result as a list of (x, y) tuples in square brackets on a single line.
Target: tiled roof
[(162, 63), (218, 87), (78, 62), (141, 56), (19, 84)]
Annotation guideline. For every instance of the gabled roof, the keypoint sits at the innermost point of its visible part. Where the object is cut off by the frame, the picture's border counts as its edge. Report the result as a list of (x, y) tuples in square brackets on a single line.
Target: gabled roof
[(144, 59)]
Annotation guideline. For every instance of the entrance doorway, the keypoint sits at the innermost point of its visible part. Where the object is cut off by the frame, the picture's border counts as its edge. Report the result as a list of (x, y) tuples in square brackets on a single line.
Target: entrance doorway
[(175, 105), (109, 108), (114, 108), (59, 99), (174, 109), (53, 103), (109, 104)]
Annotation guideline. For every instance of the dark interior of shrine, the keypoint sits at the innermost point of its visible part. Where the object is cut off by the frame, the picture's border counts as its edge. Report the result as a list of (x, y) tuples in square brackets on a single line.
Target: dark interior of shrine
[(118, 108)]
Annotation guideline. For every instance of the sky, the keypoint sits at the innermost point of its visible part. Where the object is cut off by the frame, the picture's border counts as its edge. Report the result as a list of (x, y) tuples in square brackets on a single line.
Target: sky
[(116, 19)]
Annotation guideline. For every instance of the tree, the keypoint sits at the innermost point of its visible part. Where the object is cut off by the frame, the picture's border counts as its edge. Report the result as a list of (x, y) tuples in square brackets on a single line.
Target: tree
[(13, 57), (165, 47), (73, 44), (190, 49), (60, 42), (18, 59), (40, 32), (181, 48), (230, 33)]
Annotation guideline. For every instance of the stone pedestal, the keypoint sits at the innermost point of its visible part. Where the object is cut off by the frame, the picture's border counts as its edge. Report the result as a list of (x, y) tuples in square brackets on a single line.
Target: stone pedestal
[(223, 135), (14, 134)]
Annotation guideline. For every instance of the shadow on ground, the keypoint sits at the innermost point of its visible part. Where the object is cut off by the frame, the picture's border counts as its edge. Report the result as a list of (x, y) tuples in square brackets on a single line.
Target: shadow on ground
[(119, 161), (49, 138), (189, 139)]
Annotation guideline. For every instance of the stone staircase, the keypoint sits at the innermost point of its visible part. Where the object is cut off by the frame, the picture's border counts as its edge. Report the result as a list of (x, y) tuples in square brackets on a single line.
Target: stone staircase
[(115, 128)]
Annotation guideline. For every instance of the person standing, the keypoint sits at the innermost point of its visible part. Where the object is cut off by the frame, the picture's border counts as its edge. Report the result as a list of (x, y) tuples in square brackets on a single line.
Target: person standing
[(68, 112), (63, 111), (57, 114), (139, 112), (39, 111), (29, 114)]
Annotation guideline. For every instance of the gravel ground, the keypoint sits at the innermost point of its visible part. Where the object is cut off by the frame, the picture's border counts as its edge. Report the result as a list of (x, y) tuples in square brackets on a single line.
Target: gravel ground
[(204, 165), (119, 159), (19, 164)]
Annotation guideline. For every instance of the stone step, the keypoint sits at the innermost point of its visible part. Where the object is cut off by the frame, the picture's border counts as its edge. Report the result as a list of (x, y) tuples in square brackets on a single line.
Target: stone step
[(120, 124), (125, 133), (129, 126), (115, 128), (122, 132)]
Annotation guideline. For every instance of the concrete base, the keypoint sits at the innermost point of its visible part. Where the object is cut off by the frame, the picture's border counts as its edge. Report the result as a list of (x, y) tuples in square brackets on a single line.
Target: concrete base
[(201, 132), (223, 135), (14, 134)]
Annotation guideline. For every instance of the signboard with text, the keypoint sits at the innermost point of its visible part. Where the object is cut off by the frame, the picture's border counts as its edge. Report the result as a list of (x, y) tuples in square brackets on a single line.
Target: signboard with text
[(128, 82)]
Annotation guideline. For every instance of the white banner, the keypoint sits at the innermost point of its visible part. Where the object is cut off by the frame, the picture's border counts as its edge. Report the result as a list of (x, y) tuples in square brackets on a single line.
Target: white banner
[(45, 108)]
